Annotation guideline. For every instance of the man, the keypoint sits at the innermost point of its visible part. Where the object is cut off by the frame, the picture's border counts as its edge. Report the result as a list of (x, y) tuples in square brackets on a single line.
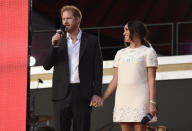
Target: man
[(77, 76)]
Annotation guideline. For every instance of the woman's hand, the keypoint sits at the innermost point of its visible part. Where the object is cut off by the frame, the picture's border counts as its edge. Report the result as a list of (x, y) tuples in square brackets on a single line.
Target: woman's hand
[(100, 103)]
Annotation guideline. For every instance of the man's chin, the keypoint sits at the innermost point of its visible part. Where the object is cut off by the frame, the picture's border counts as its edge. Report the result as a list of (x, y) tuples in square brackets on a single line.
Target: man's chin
[(67, 29)]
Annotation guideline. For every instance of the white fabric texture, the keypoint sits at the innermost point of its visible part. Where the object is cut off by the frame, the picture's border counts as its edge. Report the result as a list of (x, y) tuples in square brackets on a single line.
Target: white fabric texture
[(73, 54), (132, 94)]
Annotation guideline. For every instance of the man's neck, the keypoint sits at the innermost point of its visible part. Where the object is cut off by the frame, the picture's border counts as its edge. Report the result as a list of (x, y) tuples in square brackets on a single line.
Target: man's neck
[(73, 34)]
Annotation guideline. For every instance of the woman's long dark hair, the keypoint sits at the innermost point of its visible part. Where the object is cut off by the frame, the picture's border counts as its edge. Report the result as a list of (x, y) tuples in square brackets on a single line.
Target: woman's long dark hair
[(140, 28)]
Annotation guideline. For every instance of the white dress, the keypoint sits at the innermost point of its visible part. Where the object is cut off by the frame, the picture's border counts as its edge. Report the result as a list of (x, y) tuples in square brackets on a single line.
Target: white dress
[(132, 94)]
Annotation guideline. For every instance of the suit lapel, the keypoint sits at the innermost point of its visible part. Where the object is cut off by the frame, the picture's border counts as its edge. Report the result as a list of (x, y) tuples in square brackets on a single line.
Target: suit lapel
[(82, 45)]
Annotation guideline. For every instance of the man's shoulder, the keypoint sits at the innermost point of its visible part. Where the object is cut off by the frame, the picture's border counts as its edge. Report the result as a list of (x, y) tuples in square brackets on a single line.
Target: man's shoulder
[(89, 35)]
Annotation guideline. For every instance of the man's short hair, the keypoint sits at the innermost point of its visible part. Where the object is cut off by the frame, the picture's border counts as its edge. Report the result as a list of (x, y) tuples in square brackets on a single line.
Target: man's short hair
[(75, 11)]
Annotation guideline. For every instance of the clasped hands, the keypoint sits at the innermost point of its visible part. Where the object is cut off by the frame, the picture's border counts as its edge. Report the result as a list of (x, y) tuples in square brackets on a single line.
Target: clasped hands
[(96, 101)]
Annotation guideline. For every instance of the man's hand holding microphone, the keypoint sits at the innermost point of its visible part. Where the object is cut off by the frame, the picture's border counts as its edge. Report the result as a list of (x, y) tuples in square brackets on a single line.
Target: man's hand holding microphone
[(56, 39)]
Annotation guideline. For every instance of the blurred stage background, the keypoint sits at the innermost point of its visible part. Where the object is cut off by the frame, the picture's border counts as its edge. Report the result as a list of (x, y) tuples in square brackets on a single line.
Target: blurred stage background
[(27, 27), (170, 25)]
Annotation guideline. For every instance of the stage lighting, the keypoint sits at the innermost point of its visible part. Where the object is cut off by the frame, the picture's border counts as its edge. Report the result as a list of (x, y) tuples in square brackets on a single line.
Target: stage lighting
[(32, 61)]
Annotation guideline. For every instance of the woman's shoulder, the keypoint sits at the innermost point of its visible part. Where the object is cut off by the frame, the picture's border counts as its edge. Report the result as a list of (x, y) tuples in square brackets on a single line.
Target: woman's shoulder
[(120, 51), (150, 51)]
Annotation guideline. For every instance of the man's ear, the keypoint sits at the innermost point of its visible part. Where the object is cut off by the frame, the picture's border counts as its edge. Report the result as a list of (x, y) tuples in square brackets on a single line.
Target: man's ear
[(78, 20)]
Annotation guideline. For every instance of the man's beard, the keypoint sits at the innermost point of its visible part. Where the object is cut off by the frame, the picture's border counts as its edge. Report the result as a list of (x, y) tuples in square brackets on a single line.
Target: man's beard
[(70, 28)]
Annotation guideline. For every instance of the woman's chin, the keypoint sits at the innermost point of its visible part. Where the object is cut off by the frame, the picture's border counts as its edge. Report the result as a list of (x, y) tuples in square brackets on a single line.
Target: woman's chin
[(126, 41)]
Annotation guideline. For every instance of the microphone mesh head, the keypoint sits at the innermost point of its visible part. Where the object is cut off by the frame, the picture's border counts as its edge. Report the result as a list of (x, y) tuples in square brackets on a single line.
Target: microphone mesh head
[(62, 27)]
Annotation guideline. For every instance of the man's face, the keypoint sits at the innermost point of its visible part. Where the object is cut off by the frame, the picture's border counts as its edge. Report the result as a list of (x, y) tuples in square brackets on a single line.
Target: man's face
[(70, 21)]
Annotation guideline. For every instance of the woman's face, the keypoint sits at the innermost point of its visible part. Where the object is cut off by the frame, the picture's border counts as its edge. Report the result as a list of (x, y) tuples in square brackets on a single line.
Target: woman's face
[(126, 34)]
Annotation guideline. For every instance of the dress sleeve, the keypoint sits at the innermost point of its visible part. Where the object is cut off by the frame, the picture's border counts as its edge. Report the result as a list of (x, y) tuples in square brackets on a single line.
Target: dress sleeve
[(116, 60), (151, 58)]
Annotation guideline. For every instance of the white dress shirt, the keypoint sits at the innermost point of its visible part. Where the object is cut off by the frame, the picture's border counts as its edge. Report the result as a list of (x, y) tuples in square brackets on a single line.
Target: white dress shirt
[(73, 54)]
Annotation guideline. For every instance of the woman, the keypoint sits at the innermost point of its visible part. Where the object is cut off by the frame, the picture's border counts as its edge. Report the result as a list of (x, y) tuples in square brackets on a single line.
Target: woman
[(134, 77)]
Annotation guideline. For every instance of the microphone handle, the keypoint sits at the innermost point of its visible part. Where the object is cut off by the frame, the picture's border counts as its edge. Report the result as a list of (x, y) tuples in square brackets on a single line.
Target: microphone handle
[(59, 31), (55, 42)]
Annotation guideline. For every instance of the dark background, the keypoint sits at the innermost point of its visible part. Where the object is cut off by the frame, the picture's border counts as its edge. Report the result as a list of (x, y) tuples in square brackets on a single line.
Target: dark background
[(173, 98), (106, 13), (113, 12)]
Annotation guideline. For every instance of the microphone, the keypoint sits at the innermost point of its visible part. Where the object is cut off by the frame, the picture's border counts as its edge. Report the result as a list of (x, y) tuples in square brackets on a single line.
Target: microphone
[(60, 31), (146, 119), (40, 80)]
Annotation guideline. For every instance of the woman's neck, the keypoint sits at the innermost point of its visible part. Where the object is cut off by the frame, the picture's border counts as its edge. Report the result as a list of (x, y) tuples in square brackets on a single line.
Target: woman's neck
[(135, 43)]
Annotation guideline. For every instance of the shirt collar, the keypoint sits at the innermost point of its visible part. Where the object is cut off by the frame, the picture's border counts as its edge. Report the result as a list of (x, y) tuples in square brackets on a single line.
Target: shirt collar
[(78, 35)]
